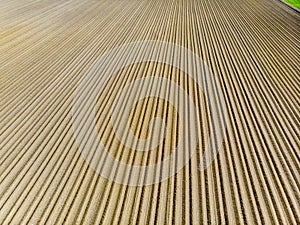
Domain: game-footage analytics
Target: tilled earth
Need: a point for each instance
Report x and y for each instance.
(252, 49)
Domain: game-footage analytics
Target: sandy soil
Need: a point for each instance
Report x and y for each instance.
(252, 48)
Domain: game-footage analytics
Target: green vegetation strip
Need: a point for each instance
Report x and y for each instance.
(295, 3)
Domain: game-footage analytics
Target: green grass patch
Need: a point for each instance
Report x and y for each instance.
(295, 3)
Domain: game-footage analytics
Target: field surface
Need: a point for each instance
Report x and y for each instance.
(179, 66)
